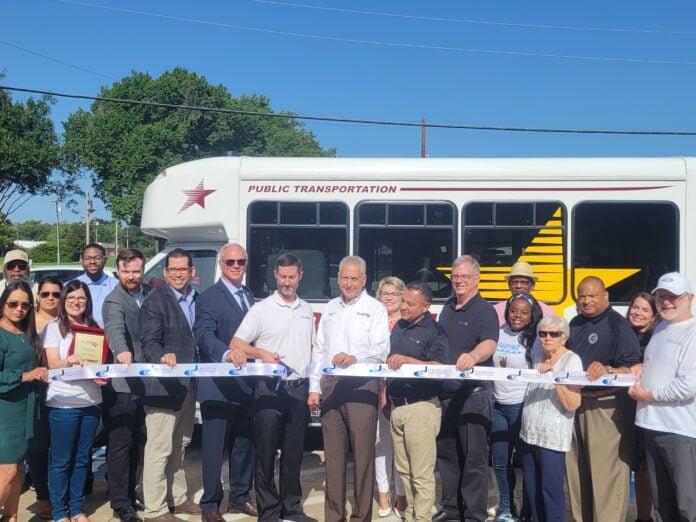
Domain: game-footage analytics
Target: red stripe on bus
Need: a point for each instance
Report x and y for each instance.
(532, 189)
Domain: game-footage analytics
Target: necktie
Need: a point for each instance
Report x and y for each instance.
(242, 301)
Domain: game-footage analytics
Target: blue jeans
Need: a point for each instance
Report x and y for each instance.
(72, 435)
(505, 435)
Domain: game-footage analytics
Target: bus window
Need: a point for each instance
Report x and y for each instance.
(205, 262)
(408, 240)
(629, 245)
(316, 232)
(498, 234)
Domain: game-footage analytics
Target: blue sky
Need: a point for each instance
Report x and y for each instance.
(332, 71)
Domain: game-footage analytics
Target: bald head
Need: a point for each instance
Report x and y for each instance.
(593, 298)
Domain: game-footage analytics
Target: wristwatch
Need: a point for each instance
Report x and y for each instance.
(609, 370)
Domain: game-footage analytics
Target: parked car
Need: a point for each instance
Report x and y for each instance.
(63, 272)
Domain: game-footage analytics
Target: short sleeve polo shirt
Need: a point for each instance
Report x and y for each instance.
(426, 341)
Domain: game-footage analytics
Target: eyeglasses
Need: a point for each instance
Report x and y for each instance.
(179, 271)
(12, 265)
(390, 294)
(89, 259)
(73, 299)
(229, 263)
(543, 334)
(463, 277)
(14, 304)
(46, 295)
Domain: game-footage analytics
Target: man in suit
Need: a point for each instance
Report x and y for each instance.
(124, 417)
(226, 403)
(166, 336)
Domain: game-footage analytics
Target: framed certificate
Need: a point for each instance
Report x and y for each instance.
(90, 344)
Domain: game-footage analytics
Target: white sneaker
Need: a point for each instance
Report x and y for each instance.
(384, 512)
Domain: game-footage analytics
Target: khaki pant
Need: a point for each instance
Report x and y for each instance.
(168, 434)
(414, 429)
(598, 465)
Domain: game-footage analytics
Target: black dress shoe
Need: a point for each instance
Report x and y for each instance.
(441, 516)
(127, 514)
(213, 516)
(138, 504)
(248, 508)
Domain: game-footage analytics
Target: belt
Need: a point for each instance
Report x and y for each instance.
(597, 394)
(403, 401)
(463, 393)
(295, 383)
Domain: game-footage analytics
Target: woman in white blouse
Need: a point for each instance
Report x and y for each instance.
(547, 423)
(74, 408)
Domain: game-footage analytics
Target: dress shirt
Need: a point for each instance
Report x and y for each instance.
(187, 303)
(238, 295)
(358, 328)
(98, 290)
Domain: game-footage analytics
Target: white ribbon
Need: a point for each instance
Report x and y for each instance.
(407, 371)
(477, 373)
(110, 371)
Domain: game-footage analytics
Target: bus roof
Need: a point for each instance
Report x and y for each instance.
(199, 201)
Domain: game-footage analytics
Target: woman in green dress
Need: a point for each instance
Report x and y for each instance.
(20, 372)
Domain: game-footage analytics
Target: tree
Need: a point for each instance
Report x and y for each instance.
(29, 152)
(125, 146)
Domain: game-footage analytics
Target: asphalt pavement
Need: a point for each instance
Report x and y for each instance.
(97, 505)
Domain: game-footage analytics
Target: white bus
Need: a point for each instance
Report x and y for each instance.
(626, 220)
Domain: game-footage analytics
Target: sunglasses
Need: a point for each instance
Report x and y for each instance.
(229, 263)
(544, 333)
(45, 295)
(22, 265)
(14, 304)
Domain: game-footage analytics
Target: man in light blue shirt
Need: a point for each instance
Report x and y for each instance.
(100, 284)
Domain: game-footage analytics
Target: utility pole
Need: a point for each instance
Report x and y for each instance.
(116, 236)
(423, 128)
(57, 201)
(90, 211)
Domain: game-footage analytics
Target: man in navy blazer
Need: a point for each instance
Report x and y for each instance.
(166, 337)
(226, 403)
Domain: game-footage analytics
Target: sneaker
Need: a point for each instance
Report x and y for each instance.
(505, 517)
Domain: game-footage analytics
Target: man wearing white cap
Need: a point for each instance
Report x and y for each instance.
(666, 395)
(15, 267)
(520, 280)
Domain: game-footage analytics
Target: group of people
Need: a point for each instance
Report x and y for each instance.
(586, 439)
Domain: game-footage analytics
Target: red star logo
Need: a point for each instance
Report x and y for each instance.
(196, 196)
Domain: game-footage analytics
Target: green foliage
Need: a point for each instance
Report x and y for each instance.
(29, 152)
(126, 146)
(35, 230)
(7, 235)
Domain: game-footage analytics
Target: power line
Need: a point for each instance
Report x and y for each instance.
(381, 42)
(349, 120)
(472, 21)
(46, 57)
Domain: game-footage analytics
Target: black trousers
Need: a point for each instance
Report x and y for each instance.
(231, 424)
(462, 454)
(280, 422)
(124, 420)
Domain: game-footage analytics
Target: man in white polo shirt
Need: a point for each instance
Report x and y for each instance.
(281, 327)
(666, 395)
